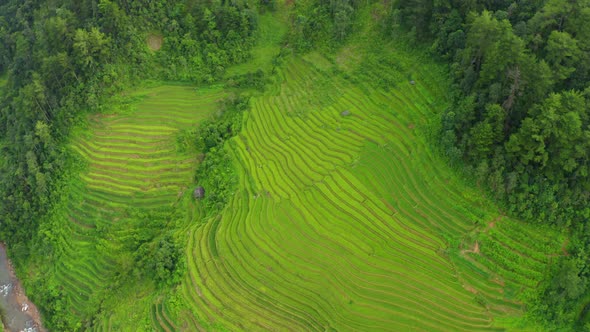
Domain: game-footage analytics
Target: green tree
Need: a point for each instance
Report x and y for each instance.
(554, 137)
(487, 134)
(560, 297)
(562, 54)
(90, 47)
(416, 15)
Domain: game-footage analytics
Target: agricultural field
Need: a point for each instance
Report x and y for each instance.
(344, 218)
(137, 168)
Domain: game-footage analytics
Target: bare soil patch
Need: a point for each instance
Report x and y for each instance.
(155, 42)
(474, 249)
(470, 289)
(497, 280)
(492, 223)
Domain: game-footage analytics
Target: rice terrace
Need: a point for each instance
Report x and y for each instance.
(295, 187)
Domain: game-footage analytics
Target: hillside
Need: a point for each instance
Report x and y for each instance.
(330, 202)
(349, 222)
(342, 221)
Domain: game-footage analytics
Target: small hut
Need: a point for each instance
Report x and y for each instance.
(199, 192)
(345, 113)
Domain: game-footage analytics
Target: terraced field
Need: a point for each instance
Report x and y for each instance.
(343, 220)
(350, 223)
(134, 162)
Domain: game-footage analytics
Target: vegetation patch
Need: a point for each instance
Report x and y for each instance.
(216, 174)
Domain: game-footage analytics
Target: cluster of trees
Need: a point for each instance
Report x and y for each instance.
(216, 172)
(156, 254)
(63, 58)
(252, 80)
(202, 39)
(520, 120)
(320, 23)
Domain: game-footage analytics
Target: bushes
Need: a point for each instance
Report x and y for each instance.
(214, 132)
(155, 253)
(2, 318)
(255, 80)
(54, 302)
(160, 259)
(321, 23)
(216, 173)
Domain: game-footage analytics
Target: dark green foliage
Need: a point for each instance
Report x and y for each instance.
(155, 252)
(568, 285)
(564, 298)
(268, 4)
(201, 41)
(255, 80)
(321, 23)
(417, 13)
(214, 132)
(160, 259)
(555, 137)
(54, 304)
(216, 173)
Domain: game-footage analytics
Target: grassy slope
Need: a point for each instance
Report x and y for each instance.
(346, 223)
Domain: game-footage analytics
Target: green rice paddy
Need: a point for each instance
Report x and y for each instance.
(350, 223)
(340, 222)
(134, 163)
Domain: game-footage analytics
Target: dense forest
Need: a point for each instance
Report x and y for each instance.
(519, 124)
